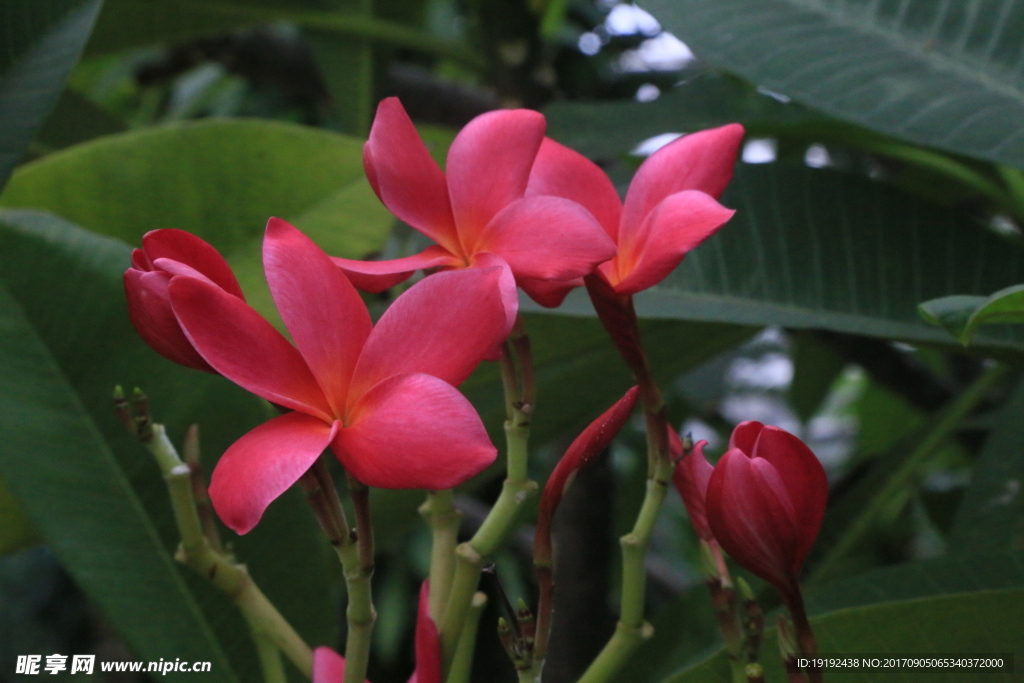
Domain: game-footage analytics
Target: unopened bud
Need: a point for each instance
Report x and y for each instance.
(754, 673)
(143, 419)
(745, 590)
(123, 411)
(527, 623)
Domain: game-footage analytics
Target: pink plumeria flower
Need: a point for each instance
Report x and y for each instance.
(670, 208)
(167, 254)
(691, 477)
(381, 397)
(329, 666)
(477, 210)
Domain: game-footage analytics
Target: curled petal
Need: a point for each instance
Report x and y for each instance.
(744, 436)
(752, 519)
(804, 480)
(428, 642)
(186, 248)
(691, 478)
(700, 161)
(563, 172)
(324, 313)
(244, 347)
(547, 238)
(549, 293)
(489, 166)
(509, 294)
(443, 326)
(405, 177)
(675, 227)
(261, 466)
(377, 276)
(414, 431)
(149, 307)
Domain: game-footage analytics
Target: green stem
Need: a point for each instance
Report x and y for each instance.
(442, 517)
(471, 555)
(265, 622)
(947, 421)
(357, 561)
(270, 659)
(462, 662)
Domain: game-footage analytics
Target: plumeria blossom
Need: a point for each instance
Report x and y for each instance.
(381, 397)
(167, 254)
(691, 476)
(765, 502)
(477, 210)
(670, 208)
(329, 666)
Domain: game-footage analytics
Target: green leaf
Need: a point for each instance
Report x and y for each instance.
(991, 516)
(74, 119)
(820, 249)
(940, 625)
(220, 179)
(40, 45)
(939, 74)
(57, 461)
(815, 369)
(962, 315)
(17, 531)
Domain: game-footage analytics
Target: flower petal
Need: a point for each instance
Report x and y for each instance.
(323, 311)
(744, 436)
(804, 479)
(549, 293)
(244, 347)
(184, 247)
(328, 666)
(405, 177)
(675, 227)
(428, 642)
(261, 466)
(489, 166)
(443, 326)
(509, 293)
(377, 276)
(563, 172)
(699, 161)
(149, 308)
(691, 478)
(547, 238)
(751, 519)
(414, 431)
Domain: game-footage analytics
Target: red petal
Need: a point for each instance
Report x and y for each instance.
(405, 177)
(691, 479)
(443, 326)
(700, 161)
(744, 436)
(244, 347)
(328, 666)
(549, 293)
(324, 313)
(804, 479)
(261, 466)
(509, 294)
(186, 248)
(675, 227)
(752, 519)
(377, 276)
(563, 172)
(414, 432)
(547, 238)
(428, 642)
(489, 166)
(149, 308)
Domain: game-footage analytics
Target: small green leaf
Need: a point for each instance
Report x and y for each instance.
(952, 313)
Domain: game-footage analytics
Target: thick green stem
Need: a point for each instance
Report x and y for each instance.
(270, 659)
(265, 622)
(357, 561)
(442, 517)
(946, 422)
(462, 662)
(471, 555)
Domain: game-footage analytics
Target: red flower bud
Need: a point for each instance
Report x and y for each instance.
(166, 255)
(691, 479)
(765, 502)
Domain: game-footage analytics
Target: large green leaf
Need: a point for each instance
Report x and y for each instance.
(820, 249)
(943, 74)
(40, 44)
(991, 516)
(93, 492)
(221, 180)
(940, 626)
